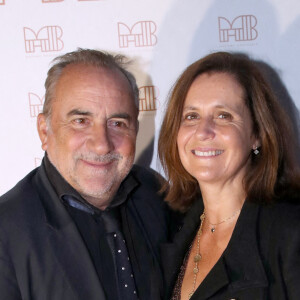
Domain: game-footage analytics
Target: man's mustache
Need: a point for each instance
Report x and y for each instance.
(106, 158)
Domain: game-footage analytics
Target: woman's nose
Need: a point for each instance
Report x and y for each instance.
(205, 129)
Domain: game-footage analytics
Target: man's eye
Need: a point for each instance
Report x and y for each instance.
(80, 121)
(117, 123)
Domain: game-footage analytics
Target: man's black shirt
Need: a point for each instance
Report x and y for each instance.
(90, 224)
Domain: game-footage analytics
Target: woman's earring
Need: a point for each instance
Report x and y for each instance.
(255, 150)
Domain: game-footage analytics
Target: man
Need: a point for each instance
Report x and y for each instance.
(85, 224)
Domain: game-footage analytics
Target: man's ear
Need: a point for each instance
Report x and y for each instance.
(43, 129)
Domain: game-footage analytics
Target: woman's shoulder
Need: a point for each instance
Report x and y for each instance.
(283, 214)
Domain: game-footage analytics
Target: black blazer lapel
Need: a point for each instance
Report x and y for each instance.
(240, 266)
(242, 256)
(172, 254)
(214, 281)
(68, 246)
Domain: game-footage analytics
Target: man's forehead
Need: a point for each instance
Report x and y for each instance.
(93, 86)
(115, 103)
(84, 73)
(92, 89)
(99, 98)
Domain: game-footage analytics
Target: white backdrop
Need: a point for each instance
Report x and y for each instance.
(161, 36)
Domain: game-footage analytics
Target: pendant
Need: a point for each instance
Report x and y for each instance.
(195, 270)
(197, 257)
(213, 230)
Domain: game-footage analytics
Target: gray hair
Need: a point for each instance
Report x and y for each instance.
(89, 57)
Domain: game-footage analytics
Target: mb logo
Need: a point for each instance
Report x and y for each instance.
(241, 29)
(47, 39)
(141, 34)
(148, 101)
(51, 1)
(35, 104)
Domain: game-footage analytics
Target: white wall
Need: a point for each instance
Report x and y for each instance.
(162, 36)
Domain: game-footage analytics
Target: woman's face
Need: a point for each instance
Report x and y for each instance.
(215, 138)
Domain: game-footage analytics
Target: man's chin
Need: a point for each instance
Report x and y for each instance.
(98, 198)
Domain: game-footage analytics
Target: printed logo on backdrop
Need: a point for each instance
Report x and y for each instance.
(35, 104)
(46, 39)
(51, 1)
(141, 34)
(37, 162)
(54, 1)
(148, 98)
(240, 29)
(2, 2)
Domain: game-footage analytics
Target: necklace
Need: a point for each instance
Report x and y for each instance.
(213, 225)
(198, 256)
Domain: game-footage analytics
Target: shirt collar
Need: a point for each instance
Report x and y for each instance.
(65, 190)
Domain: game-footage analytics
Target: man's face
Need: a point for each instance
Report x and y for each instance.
(91, 135)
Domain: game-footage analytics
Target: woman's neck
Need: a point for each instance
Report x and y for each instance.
(222, 202)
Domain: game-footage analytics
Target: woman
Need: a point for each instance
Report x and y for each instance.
(234, 173)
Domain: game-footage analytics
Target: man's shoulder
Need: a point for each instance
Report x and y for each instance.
(24, 185)
(147, 177)
(148, 191)
(147, 202)
(16, 199)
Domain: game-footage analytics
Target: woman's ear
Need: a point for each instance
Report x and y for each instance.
(255, 146)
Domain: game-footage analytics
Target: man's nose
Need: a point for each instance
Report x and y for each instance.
(100, 140)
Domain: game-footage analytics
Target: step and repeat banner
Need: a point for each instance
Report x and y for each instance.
(161, 37)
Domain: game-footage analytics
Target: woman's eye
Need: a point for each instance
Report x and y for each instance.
(224, 116)
(190, 116)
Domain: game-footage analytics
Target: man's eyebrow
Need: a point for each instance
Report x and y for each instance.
(78, 112)
(121, 116)
(75, 112)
